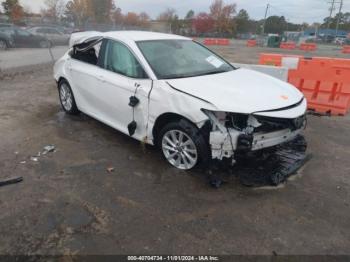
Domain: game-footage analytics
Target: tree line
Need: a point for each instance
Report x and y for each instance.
(222, 19)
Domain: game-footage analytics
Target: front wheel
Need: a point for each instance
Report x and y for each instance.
(183, 146)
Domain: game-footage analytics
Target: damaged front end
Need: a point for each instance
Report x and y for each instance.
(265, 150)
(233, 133)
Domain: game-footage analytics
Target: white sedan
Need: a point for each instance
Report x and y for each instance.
(170, 91)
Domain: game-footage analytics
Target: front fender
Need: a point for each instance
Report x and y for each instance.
(165, 99)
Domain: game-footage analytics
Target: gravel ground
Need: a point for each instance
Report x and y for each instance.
(69, 204)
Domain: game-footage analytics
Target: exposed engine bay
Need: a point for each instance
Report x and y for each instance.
(236, 133)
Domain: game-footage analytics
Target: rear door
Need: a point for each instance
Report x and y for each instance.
(83, 71)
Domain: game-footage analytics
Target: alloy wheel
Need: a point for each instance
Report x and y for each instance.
(66, 97)
(179, 149)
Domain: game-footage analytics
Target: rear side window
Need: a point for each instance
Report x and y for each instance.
(87, 52)
(118, 58)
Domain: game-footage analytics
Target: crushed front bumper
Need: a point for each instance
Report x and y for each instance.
(261, 141)
(264, 167)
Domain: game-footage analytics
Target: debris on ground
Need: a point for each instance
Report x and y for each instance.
(11, 181)
(49, 149)
(110, 169)
(269, 167)
(34, 159)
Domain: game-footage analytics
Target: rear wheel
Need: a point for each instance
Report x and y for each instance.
(183, 146)
(67, 98)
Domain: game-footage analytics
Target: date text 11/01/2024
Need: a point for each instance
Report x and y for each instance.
(173, 258)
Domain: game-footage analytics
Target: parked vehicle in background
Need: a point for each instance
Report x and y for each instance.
(172, 92)
(23, 38)
(68, 30)
(340, 40)
(55, 36)
(327, 39)
(6, 25)
(6, 41)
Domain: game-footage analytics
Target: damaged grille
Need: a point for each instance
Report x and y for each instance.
(270, 124)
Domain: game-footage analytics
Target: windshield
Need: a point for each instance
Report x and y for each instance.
(171, 59)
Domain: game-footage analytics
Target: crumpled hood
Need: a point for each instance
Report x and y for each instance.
(240, 91)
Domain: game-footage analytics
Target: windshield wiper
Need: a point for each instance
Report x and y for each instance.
(212, 72)
(201, 74)
(175, 76)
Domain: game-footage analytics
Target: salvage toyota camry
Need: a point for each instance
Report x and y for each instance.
(170, 91)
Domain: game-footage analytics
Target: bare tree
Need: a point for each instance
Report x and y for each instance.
(167, 15)
(118, 16)
(144, 18)
(223, 16)
(79, 11)
(54, 9)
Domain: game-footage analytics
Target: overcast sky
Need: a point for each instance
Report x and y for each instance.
(294, 10)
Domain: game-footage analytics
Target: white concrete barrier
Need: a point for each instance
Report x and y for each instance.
(280, 73)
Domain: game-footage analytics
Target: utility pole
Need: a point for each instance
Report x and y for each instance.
(267, 9)
(330, 14)
(338, 20)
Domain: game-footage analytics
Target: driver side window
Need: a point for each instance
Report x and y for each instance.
(119, 59)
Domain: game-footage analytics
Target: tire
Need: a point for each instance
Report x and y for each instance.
(67, 99)
(183, 146)
(3, 45)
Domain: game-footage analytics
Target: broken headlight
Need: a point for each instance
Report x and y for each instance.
(253, 123)
(228, 120)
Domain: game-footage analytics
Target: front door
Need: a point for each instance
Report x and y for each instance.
(121, 76)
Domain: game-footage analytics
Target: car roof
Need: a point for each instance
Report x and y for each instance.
(141, 35)
(128, 37)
